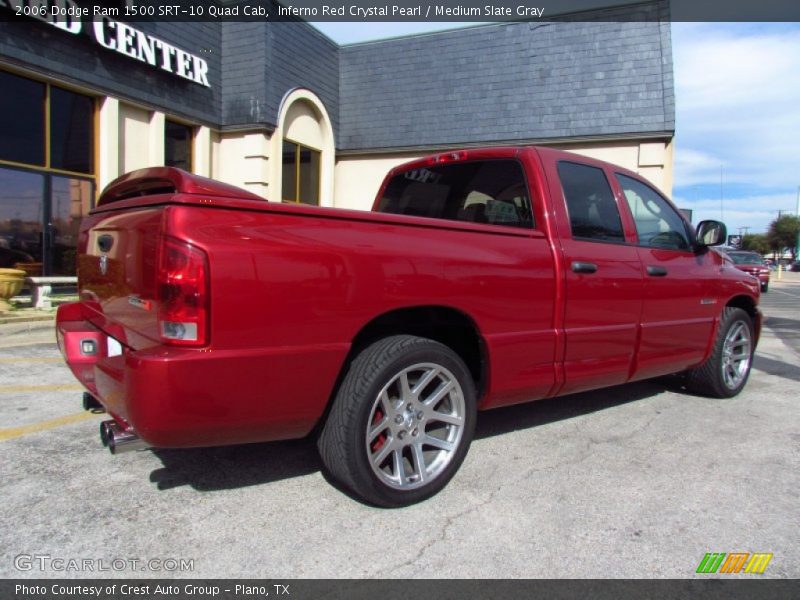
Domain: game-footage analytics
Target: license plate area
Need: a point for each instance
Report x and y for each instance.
(114, 347)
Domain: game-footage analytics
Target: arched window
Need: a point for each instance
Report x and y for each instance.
(306, 150)
(301, 173)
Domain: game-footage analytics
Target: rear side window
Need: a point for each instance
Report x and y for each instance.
(593, 212)
(490, 191)
(658, 225)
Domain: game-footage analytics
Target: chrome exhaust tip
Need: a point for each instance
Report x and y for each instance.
(105, 433)
(119, 440)
(90, 403)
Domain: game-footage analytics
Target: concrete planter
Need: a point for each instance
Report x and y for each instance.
(11, 281)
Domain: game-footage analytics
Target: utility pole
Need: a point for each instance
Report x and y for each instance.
(797, 241)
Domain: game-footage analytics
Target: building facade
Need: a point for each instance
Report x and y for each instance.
(281, 110)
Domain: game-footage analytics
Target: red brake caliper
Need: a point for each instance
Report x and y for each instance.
(379, 441)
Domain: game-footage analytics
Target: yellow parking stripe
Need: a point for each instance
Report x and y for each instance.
(31, 360)
(15, 432)
(22, 389)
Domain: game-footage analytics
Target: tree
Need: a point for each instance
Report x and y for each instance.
(756, 242)
(783, 233)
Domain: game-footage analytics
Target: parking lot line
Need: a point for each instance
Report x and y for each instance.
(17, 389)
(16, 344)
(32, 359)
(15, 432)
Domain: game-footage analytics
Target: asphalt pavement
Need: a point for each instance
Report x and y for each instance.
(634, 481)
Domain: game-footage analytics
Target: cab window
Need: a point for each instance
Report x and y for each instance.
(658, 225)
(593, 212)
(489, 191)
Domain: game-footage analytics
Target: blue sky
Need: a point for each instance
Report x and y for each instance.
(737, 88)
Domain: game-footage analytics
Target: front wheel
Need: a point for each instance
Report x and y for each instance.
(401, 423)
(726, 371)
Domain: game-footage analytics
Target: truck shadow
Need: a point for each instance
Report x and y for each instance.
(776, 367)
(231, 467)
(787, 330)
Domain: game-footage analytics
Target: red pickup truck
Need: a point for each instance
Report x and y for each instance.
(481, 278)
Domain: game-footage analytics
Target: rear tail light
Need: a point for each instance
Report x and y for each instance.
(182, 294)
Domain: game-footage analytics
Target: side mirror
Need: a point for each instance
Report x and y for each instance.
(710, 233)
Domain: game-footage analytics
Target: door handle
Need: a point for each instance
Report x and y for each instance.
(656, 271)
(584, 267)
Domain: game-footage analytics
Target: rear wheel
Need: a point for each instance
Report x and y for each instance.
(726, 371)
(765, 287)
(402, 421)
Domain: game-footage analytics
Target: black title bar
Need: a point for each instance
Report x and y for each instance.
(348, 589)
(401, 10)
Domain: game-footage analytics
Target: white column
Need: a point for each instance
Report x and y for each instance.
(155, 140)
(108, 144)
(201, 152)
(256, 163)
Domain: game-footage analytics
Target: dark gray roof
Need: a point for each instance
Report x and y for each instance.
(516, 82)
(509, 82)
(261, 64)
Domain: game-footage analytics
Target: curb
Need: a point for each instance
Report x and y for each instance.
(12, 320)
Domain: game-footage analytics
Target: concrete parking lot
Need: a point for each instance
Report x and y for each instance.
(633, 481)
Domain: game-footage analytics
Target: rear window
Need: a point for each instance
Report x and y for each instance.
(492, 192)
(746, 258)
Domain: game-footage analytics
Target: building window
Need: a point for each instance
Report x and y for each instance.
(40, 215)
(45, 126)
(71, 131)
(301, 173)
(178, 145)
(21, 124)
(46, 167)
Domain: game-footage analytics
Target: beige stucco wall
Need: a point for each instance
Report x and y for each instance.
(131, 137)
(650, 159)
(358, 177)
(253, 159)
(242, 159)
(134, 138)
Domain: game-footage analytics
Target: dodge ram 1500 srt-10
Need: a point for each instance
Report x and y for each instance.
(481, 278)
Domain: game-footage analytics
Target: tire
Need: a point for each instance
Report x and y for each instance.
(401, 422)
(726, 371)
(764, 288)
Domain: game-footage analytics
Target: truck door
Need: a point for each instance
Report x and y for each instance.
(679, 310)
(602, 276)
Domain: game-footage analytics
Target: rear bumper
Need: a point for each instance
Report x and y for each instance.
(175, 397)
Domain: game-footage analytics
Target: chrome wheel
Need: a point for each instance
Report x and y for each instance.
(415, 426)
(737, 350)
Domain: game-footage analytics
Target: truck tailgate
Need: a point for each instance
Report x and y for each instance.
(117, 273)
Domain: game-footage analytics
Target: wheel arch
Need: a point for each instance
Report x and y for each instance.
(748, 305)
(444, 324)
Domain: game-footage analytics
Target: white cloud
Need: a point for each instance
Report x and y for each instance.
(737, 91)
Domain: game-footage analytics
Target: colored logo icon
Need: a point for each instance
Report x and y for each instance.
(734, 562)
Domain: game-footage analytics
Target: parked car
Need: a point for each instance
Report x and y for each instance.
(482, 278)
(753, 263)
(795, 266)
